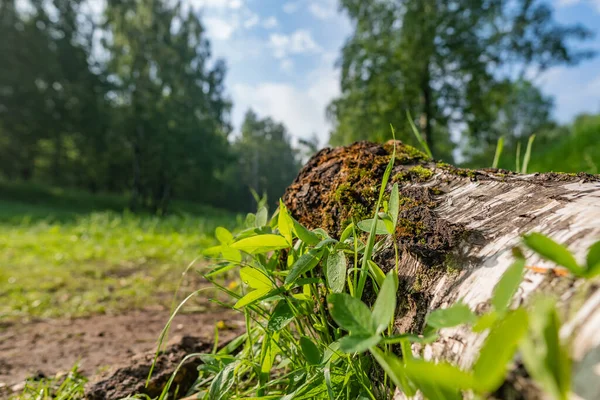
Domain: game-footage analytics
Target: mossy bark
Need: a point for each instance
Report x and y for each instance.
(456, 230)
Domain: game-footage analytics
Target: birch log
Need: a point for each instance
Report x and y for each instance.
(456, 232)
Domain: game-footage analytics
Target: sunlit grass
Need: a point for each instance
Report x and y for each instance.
(56, 262)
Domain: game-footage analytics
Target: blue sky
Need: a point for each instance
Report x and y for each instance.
(281, 56)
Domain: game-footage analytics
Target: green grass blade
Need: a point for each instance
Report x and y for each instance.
(371, 240)
(527, 154)
(418, 135)
(499, 148)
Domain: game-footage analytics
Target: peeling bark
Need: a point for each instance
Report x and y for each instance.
(459, 229)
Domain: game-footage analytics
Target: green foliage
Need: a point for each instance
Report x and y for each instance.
(141, 112)
(544, 356)
(458, 314)
(72, 255)
(506, 288)
(68, 387)
(292, 350)
(438, 59)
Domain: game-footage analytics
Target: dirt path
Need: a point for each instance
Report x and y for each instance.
(97, 342)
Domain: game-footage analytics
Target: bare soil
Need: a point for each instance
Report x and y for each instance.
(97, 343)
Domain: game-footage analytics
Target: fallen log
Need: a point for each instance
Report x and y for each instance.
(456, 232)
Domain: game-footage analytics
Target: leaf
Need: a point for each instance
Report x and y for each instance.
(593, 256)
(285, 222)
(336, 271)
(251, 297)
(305, 263)
(261, 243)
(250, 221)
(485, 321)
(222, 382)
(310, 351)
(550, 250)
(367, 224)
(499, 349)
(458, 314)
(351, 314)
(358, 343)
(385, 304)
(394, 368)
(593, 260)
(254, 278)
(377, 272)
(282, 315)
(223, 235)
(269, 351)
(231, 254)
(261, 217)
(545, 358)
(439, 380)
(308, 237)
(347, 232)
(394, 207)
(508, 285)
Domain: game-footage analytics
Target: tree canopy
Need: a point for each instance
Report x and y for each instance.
(451, 64)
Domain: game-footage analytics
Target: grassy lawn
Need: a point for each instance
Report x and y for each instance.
(65, 253)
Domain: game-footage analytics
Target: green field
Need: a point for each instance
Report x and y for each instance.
(68, 253)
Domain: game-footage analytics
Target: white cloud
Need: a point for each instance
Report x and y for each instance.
(291, 7)
(323, 9)
(270, 23)
(287, 65)
(219, 28)
(251, 20)
(300, 108)
(299, 42)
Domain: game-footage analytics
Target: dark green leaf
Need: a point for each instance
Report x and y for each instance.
(458, 314)
(508, 285)
(499, 349)
(385, 304)
(310, 350)
(351, 314)
(305, 263)
(358, 343)
(305, 235)
(550, 250)
(336, 271)
(282, 315)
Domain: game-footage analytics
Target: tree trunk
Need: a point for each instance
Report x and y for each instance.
(456, 231)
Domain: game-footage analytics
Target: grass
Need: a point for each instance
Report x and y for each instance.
(68, 253)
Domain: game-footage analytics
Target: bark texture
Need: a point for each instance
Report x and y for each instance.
(456, 231)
